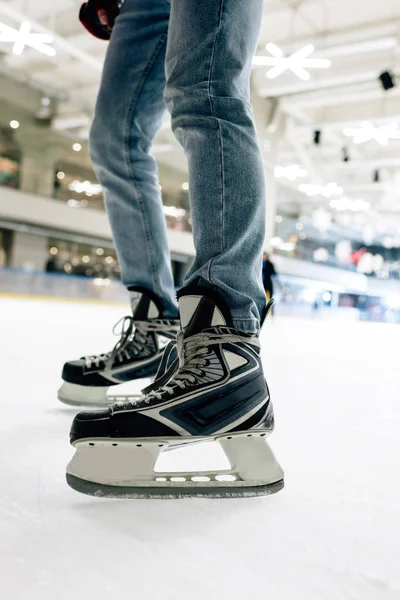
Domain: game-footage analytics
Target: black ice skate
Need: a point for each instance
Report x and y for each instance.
(136, 355)
(217, 393)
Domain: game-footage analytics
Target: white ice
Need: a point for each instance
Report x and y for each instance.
(333, 533)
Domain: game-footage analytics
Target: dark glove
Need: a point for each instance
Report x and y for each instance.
(89, 17)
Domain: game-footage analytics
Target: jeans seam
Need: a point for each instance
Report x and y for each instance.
(130, 167)
(219, 136)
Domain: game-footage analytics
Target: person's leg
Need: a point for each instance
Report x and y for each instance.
(209, 54)
(217, 389)
(129, 112)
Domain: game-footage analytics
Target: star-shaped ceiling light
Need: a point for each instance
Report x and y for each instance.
(367, 131)
(329, 190)
(22, 38)
(291, 172)
(298, 62)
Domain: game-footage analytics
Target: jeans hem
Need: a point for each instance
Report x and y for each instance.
(246, 325)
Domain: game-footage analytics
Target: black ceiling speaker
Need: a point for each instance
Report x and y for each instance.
(387, 80)
(317, 137)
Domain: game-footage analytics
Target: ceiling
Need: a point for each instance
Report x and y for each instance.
(361, 39)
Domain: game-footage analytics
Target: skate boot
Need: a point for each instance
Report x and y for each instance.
(217, 393)
(137, 354)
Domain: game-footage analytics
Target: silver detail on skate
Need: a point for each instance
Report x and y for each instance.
(131, 463)
(188, 306)
(134, 298)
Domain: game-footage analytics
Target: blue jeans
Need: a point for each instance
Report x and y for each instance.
(194, 56)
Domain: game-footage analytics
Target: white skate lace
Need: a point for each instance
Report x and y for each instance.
(193, 353)
(133, 336)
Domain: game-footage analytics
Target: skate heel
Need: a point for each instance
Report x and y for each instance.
(252, 460)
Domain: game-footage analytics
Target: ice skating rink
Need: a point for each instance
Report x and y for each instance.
(332, 534)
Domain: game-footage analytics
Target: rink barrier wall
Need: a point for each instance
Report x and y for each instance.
(57, 286)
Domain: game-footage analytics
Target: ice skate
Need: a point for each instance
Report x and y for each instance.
(218, 393)
(137, 355)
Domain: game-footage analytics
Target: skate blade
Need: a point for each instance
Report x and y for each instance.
(170, 493)
(73, 394)
(107, 467)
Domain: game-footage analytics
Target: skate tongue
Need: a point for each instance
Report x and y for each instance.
(144, 304)
(201, 308)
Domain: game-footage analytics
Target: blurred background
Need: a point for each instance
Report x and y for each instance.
(328, 121)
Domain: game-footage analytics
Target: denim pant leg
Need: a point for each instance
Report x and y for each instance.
(210, 48)
(129, 112)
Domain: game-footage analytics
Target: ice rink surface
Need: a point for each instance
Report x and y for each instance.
(332, 533)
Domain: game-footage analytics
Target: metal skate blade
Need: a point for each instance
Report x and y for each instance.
(169, 493)
(73, 394)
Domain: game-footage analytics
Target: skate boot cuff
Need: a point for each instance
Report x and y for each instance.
(142, 300)
(201, 308)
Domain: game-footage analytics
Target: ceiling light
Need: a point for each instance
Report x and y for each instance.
(343, 250)
(100, 251)
(331, 189)
(53, 250)
(393, 301)
(298, 62)
(321, 255)
(85, 187)
(185, 186)
(77, 147)
(299, 226)
(60, 175)
(74, 203)
(14, 124)
(279, 244)
(291, 172)
(326, 296)
(348, 204)
(321, 220)
(309, 295)
(387, 242)
(109, 260)
(278, 219)
(174, 211)
(85, 259)
(23, 37)
(367, 131)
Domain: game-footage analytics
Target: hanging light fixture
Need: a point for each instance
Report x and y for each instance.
(311, 189)
(291, 172)
(367, 132)
(298, 62)
(23, 37)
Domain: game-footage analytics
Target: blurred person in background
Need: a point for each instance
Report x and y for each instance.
(51, 264)
(196, 59)
(268, 272)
